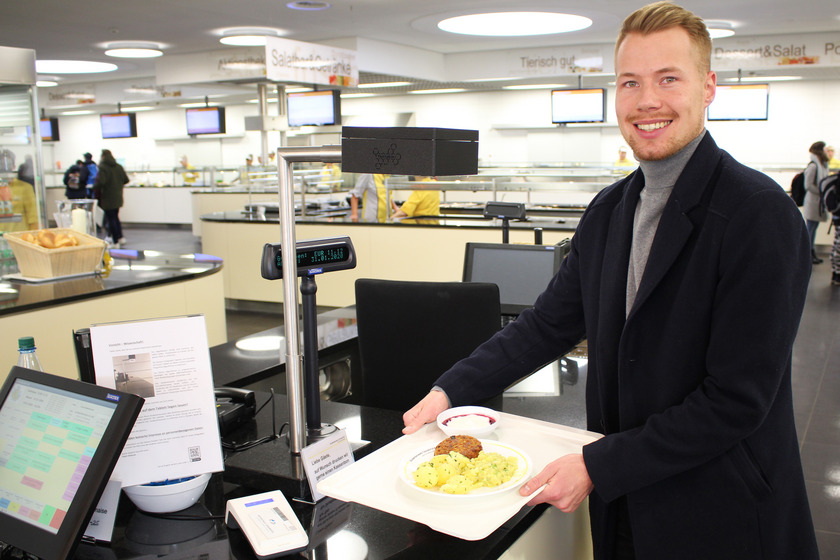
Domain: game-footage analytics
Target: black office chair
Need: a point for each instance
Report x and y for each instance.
(411, 332)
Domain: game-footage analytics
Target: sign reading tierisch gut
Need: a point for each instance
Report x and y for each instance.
(295, 61)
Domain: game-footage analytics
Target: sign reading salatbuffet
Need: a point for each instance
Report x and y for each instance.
(295, 61)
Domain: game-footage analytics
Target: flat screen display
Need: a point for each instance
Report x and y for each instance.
(578, 105)
(49, 129)
(206, 120)
(59, 441)
(522, 272)
(118, 125)
(740, 102)
(314, 108)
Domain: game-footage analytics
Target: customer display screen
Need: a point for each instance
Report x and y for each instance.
(59, 441)
(47, 439)
(314, 256)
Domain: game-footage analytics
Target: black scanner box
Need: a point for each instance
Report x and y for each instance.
(409, 151)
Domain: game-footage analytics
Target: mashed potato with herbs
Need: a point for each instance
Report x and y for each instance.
(455, 474)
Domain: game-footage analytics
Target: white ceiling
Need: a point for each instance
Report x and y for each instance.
(79, 29)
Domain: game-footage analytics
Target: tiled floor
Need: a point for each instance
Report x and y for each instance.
(816, 377)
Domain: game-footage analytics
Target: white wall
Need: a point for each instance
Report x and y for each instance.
(800, 113)
(161, 141)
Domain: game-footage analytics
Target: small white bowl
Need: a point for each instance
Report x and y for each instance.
(476, 421)
(166, 498)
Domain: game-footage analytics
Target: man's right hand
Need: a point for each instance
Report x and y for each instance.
(425, 411)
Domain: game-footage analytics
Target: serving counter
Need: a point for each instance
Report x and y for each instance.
(392, 251)
(337, 530)
(139, 286)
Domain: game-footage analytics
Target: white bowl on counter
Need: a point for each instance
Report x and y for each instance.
(476, 421)
(166, 498)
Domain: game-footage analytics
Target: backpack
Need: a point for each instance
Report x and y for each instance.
(92, 169)
(797, 188)
(73, 180)
(829, 195)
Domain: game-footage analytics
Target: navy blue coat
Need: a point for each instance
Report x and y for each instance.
(693, 388)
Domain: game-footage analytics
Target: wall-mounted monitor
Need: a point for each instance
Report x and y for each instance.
(205, 120)
(118, 125)
(314, 108)
(578, 105)
(740, 102)
(49, 129)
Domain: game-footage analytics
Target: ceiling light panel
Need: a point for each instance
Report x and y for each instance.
(514, 24)
(73, 67)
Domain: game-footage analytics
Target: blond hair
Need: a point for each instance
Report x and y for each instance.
(660, 16)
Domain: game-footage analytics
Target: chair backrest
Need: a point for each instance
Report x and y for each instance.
(412, 332)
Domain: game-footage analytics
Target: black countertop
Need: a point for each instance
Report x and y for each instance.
(346, 531)
(459, 220)
(130, 270)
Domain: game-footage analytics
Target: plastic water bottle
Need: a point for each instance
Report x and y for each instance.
(28, 358)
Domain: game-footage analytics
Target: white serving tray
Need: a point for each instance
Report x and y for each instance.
(374, 480)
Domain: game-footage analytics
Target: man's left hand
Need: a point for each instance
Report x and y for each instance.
(567, 484)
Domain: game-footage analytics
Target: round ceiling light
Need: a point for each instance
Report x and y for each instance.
(514, 24)
(248, 36)
(73, 67)
(124, 49)
(719, 29)
(308, 5)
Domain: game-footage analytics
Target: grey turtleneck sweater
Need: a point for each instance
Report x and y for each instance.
(660, 178)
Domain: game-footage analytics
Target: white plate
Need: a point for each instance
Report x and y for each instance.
(425, 453)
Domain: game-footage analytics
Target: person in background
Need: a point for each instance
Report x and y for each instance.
(189, 176)
(110, 180)
(833, 162)
(23, 202)
(329, 177)
(88, 176)
(834, 258)
(420, 203)
(688, 279)
(812, 208)
(74, 186)
(624, 162)
(370, 190)
(26, 171)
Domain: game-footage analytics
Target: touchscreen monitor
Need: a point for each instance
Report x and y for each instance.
(522, 272)
(59, 441)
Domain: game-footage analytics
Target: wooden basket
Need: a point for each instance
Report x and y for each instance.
(35, 261)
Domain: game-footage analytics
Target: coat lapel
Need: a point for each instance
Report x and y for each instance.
(675, 227)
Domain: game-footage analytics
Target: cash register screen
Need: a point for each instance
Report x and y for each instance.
(522, 272)
(59, 442)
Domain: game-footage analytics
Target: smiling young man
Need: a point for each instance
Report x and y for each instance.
(688, 279)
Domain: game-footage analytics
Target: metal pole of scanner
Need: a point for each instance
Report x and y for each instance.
(388, 150)
(286, 156)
